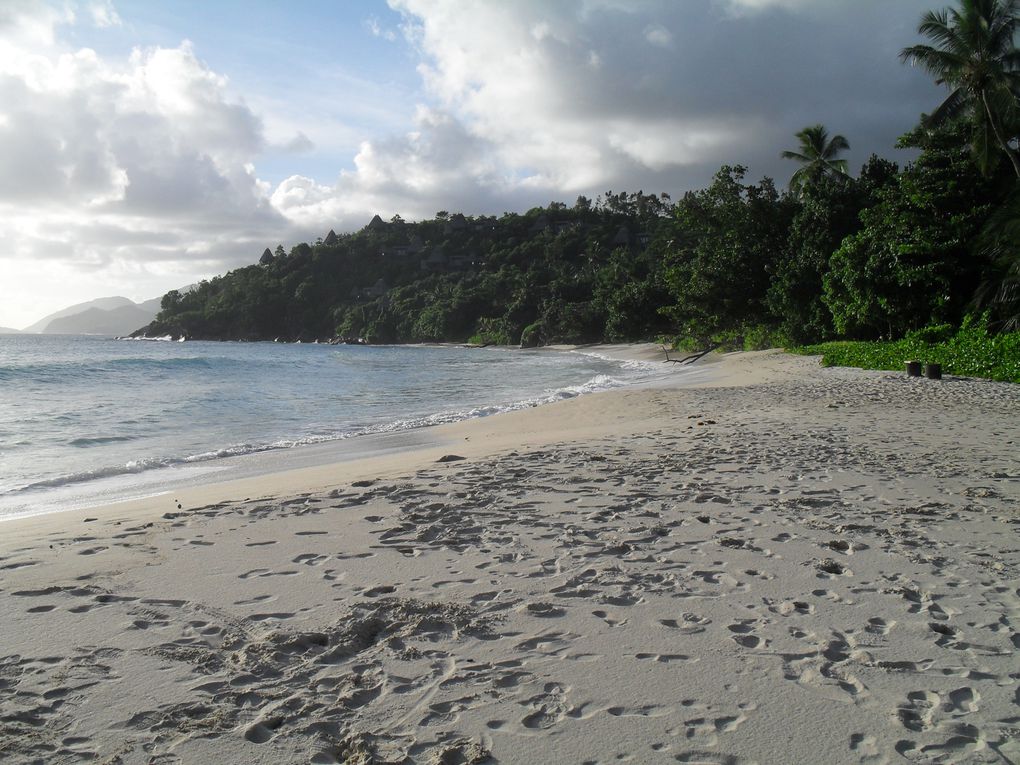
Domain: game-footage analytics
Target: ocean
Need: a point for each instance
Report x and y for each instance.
(90, 420)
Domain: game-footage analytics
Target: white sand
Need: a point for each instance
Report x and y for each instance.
(787, 564)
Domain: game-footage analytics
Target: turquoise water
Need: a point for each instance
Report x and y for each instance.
(78, 412)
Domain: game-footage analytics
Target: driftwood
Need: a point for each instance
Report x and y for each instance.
(692, 358)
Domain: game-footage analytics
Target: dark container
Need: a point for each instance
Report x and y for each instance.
(933, 371)
(913, 369)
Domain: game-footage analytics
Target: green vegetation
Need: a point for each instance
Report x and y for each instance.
(975, 54)
(874, 257)
(818, 154)
(970, 351)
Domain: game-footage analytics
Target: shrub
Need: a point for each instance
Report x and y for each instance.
(531, 337)
(969, 351)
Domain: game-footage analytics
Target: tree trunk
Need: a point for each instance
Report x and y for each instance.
(999, 136)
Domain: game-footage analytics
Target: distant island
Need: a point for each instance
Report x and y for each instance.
(103, 316)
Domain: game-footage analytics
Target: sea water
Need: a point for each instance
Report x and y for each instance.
(94, 419)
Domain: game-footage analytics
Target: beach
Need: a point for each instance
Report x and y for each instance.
(773, 562)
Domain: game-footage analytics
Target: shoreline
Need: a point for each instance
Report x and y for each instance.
(273, 473)
(776, 561)
(116, 485)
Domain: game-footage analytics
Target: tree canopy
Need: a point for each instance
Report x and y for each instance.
(819, 157)
(974, 54)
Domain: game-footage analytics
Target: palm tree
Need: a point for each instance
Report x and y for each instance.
(818, 155)
(999, 242)
(975, 55)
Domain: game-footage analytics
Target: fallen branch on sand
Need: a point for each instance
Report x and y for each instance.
(692, 358)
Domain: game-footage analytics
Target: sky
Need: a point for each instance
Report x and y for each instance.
(145, 146)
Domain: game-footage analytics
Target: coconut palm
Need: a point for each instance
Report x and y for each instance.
(818, 156)
(999, 242)
(975, 55)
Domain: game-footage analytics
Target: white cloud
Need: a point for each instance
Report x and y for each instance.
(143, 167)
(534, 100)
(376, 28)
(437, 164)
(657, 34)
(139, 167)
(298, 144)
(104, 14)
(740, 7)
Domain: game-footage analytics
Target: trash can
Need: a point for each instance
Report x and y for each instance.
(933, 371)
(913, 369)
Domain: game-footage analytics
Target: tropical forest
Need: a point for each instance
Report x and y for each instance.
(867, 265)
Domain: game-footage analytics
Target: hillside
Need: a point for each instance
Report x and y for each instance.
(449, 278)
(103, 316)
(122, 320)
(873, 256)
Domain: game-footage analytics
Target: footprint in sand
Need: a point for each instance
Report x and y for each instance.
(743, 634)
(867, 749)
(687, 624)
(829, 568)
(604, 616)
(917, 714)
(962, 701)
(663, 658)
(651, 711)
(549, 707)
(310, 559)
(879, 626)
(544, 610)
(793, 608)
(263, 731)
(841, 546)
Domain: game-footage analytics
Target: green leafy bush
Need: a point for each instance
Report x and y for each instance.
(970, 351)
(531, 337)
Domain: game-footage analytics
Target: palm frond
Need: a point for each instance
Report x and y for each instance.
(983, 143)
(954, 105)
(840, 166)
(836, 145)
(973, 51)
(999, 243)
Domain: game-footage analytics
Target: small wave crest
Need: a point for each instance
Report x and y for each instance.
(628, 364)
(99, 441)
(597, 383)
(64, 372)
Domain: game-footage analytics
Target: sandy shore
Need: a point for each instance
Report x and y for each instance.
(776, 564)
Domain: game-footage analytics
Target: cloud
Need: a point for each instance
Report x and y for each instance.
(299, 144)
(534, 100)
(658, 35)
(104, 14)
(144, 167)
(376, 29)
(676, 90)
(747, 7)
(436, 163)
(141, 166)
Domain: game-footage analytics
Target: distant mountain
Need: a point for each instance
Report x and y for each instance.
(8, 331)
(95, 321)
(153, 305)
(103, 316)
